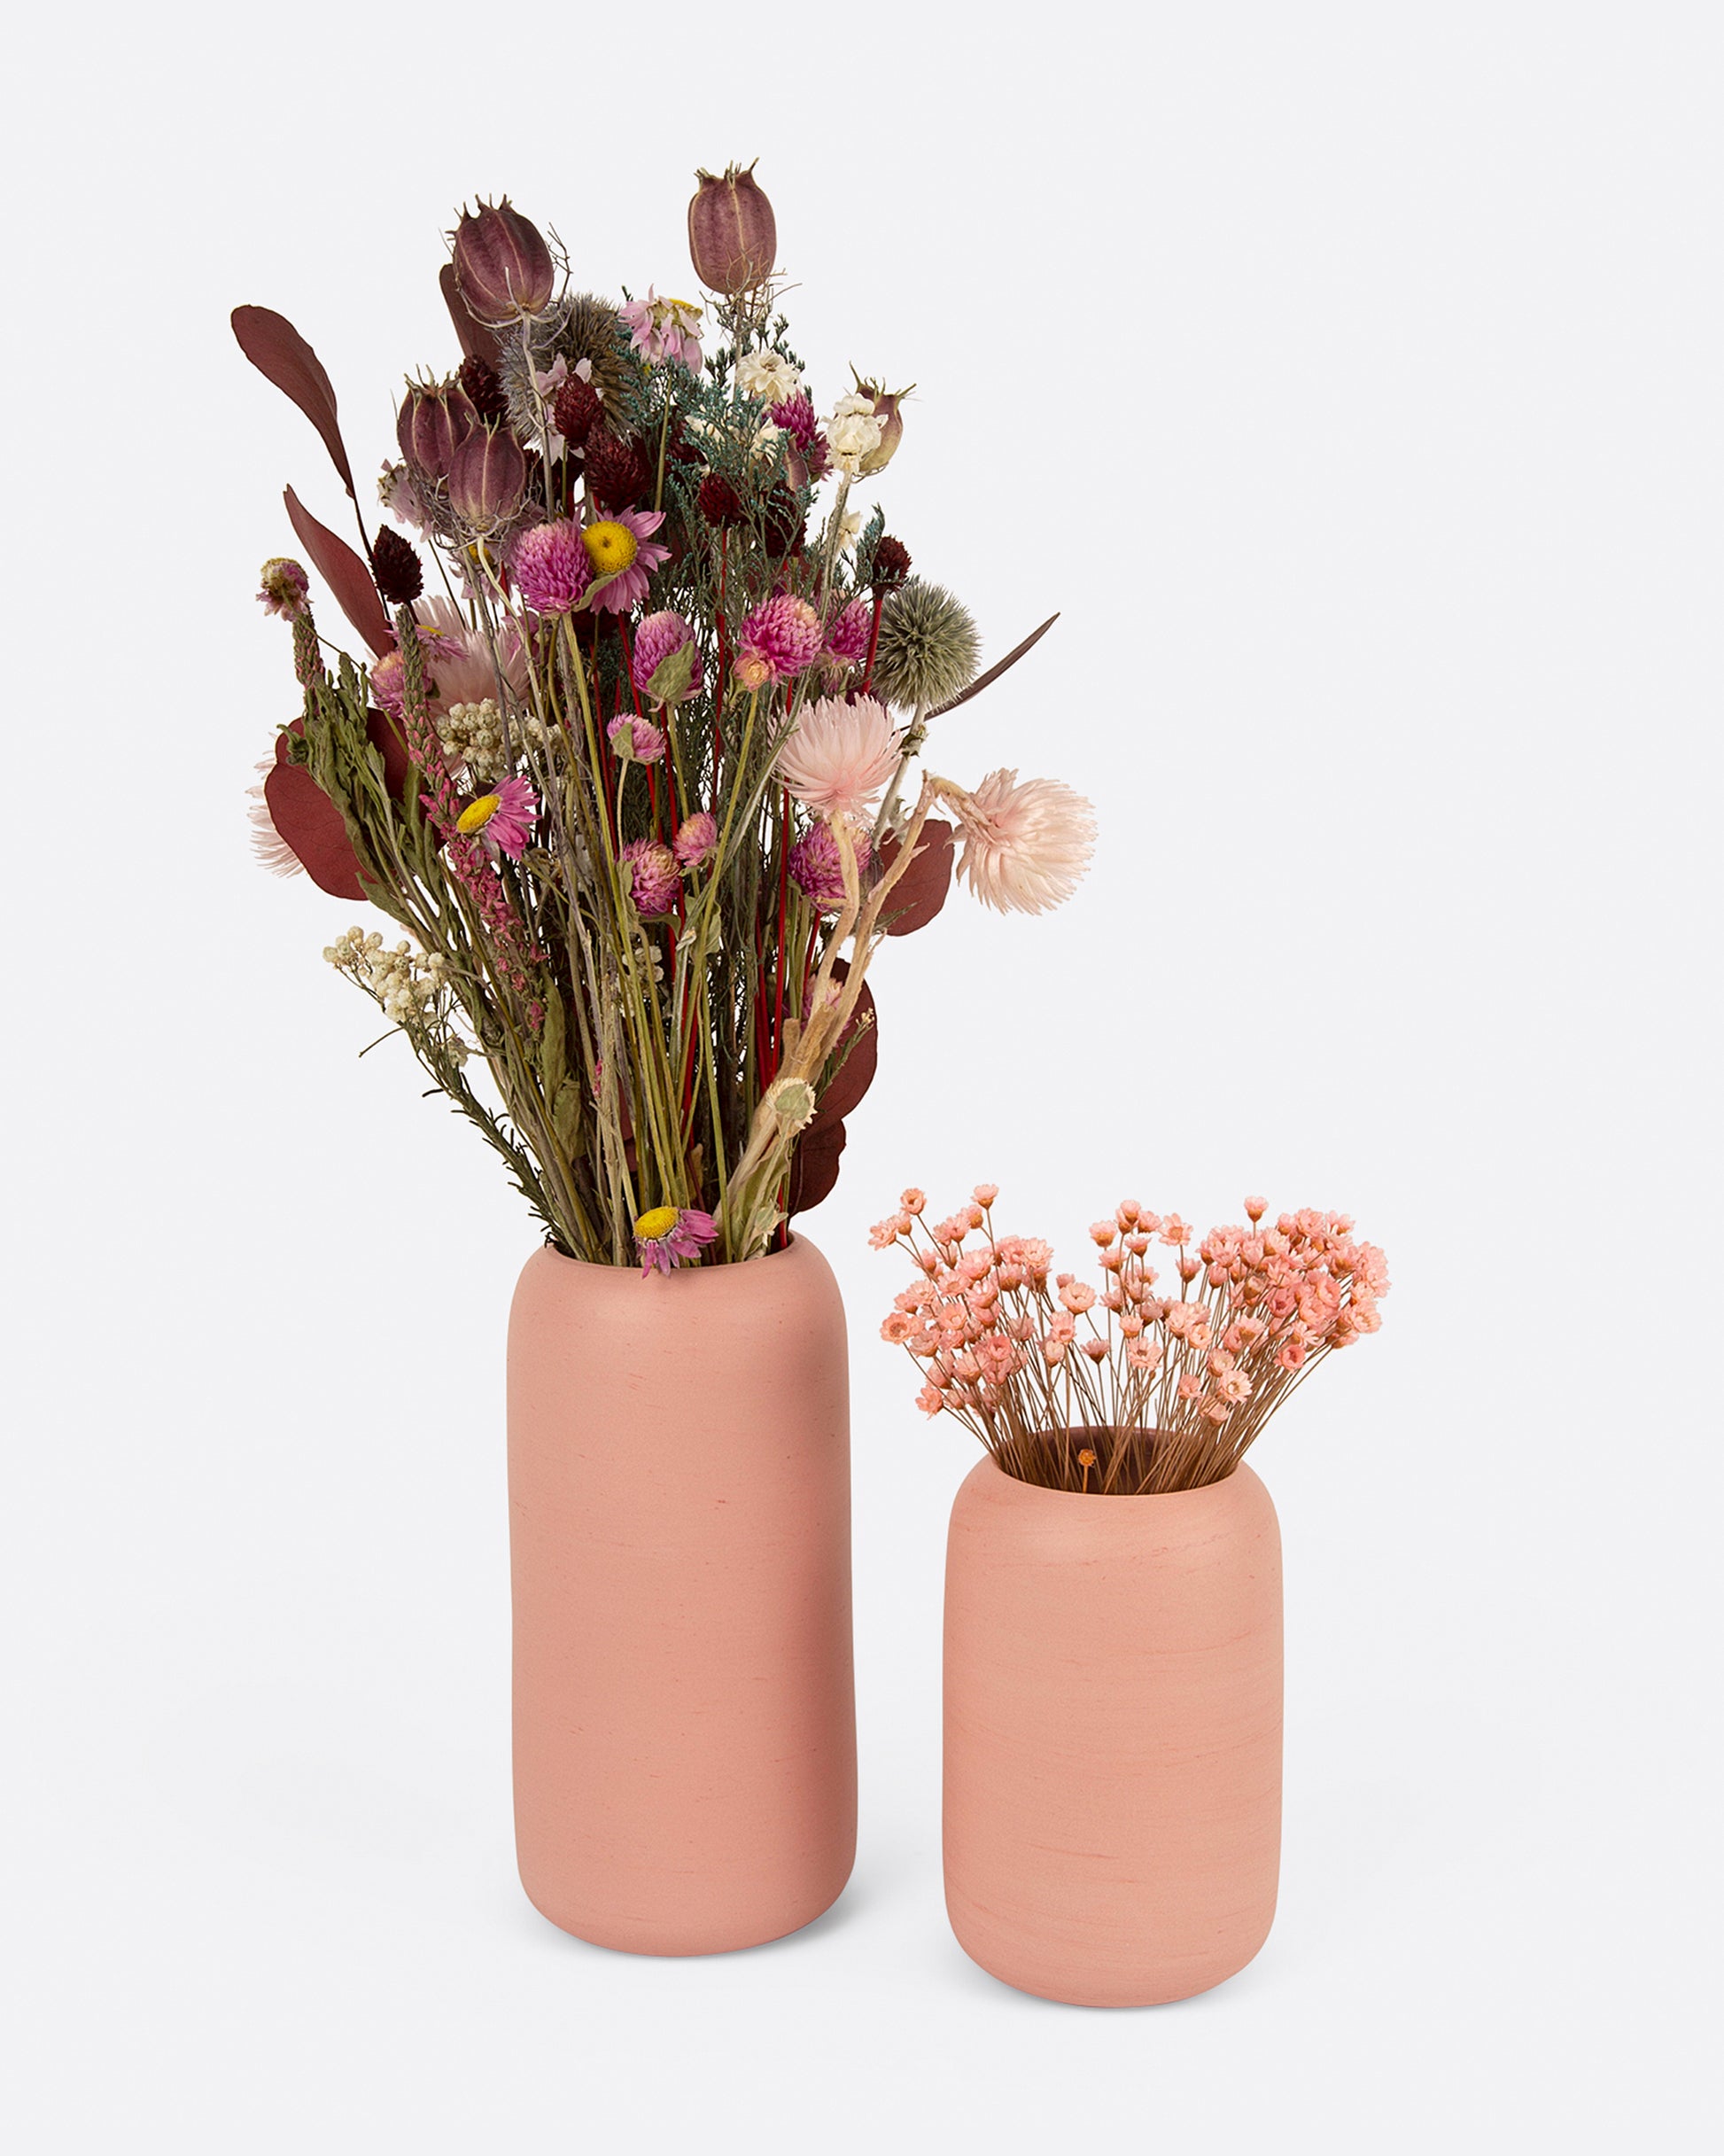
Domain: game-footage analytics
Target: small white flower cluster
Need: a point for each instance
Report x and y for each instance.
(472, 737)
(768, 376)
(853, 433)
(408, 986)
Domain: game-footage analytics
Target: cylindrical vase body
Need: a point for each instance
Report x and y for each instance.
(679, 1481)
(1113, 1735)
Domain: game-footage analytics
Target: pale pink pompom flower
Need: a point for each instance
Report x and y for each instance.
(637, 741)
(1026, 844)
(840, 756)
(779, 641)
(697, 838)
(655, 877)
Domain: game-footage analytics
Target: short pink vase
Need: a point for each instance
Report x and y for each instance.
(678, 1483)
(1113, 1735)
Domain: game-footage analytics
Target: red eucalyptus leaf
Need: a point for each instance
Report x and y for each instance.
(276, 349)
(814, 1165)
(921, 891)
(993, 674)
(310, 823)
(346, 576)
(860, 1044)
(477, 341)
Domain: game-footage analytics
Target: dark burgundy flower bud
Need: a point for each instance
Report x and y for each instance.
(502, 265)
(395, 569)
(575, 410)
(615, 470)
(487, 479)
(891, 564)
(718, 501)
(484, 386)
(733, 235)
(435, 417)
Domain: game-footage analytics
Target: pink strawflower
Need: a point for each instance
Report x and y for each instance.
(840, 756)
(779, 641)
(388, 676)
(463, 669)
(655, 878)
(816, 867)
(552, 567)
(698, 837)
(657, 637)
(620, 545)
(847, 639)
(984, 1195)
(1025, 846)
(285, 589)
(637, 741)
(664, 329)
(669, 1233)
(503, 820)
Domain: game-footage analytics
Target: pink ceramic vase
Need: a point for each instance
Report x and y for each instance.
(1113, 1735)
(679, 1481)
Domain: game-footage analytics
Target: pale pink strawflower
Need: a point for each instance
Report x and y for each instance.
(1026, 844)
(667, 1234)
(551, 566)
(914, 1201)
(637, 741)
(984, 1194)
(503, 820)
(659, 636)
(655, 877)
(778, 642)
(698, 837)
(463, 666)
(839, 756)
(816, 867)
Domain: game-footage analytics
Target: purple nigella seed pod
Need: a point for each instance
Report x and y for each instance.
(435, 417)
(733, 235)
(502, 264)
(486, 479)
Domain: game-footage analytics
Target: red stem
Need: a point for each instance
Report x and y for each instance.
(873, 644)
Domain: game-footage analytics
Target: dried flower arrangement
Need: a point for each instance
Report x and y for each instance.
(1125, 1391)
(638, 780)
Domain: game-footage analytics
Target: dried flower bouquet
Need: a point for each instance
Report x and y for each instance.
(1130, 1389)
(638, 770)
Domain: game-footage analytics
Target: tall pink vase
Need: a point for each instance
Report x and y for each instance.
(1113, 1735)
(679, 1481)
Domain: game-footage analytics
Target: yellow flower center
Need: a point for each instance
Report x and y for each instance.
(478, 813)
(610, 547)
(653, 1227)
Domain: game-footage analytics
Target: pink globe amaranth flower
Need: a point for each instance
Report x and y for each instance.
(839, 756)
(657, 639)
(847, 639)
(637, 741)
(1026, 845)
(286, 588)
(551, 567)
(816, 867)
(698, 837)
(668, 1233)
(779, 641)
(655, 876)
(628, 567)
(503, 820)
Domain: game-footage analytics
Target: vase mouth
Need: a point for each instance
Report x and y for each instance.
(1115, 1497)
(679, 1272)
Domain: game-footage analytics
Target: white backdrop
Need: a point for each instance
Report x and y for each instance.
(1348, 378)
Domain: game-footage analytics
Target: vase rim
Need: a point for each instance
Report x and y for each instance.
(680, 1272)
(1116, 1496)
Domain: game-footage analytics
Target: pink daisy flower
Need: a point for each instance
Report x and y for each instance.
(655, 877)
(698, 837)
(1025, 846)
(502, 822)
(817, 869)
(839, 756)
(669, 1233)
(664, 329)
(552, 567)
(621, 548)
(779, 641)
(657, 639)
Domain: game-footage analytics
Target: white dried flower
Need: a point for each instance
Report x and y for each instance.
(853, 433)
(768, 376)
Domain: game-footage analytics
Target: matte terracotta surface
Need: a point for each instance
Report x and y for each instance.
(1113, 1735)
(679, 1477)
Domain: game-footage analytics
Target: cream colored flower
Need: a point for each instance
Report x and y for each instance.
(768, 376)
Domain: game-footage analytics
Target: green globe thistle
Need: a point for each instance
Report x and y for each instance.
(928, 649)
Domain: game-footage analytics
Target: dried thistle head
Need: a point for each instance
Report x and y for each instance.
(578, 326)
(929, 649)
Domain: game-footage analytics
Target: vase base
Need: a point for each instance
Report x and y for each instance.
(686, 1936)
